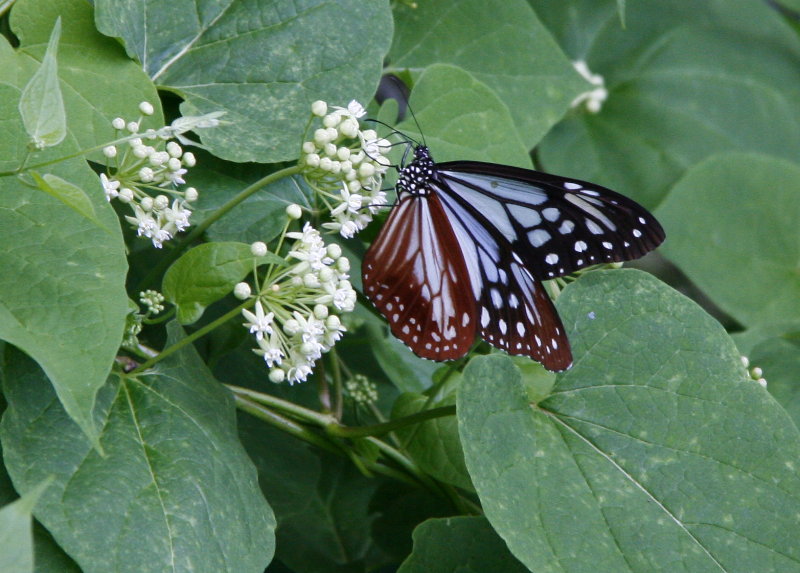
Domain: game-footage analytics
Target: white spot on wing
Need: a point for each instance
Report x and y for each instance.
(538, 237)
(551, 214)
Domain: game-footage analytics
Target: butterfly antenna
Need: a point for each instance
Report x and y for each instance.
(419, 129)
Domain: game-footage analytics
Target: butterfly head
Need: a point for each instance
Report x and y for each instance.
(414, 177)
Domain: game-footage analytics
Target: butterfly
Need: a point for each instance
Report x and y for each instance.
(467, 246)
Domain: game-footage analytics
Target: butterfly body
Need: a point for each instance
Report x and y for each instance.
(464, 251)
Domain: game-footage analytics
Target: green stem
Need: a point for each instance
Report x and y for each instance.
(184, 243)
(343, 431)
(191, 338)
(291, 427)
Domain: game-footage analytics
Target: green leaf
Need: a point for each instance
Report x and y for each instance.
(16, 532)
(685, 79)
(321, 501)
(264, 70)
(654, 452)
(462, 544)
(463, 119)
(501, 44)
(71, 195)
(731, 226)
(63, 285)
(206, 274)
(41, 105)
(174, 490)
(434, 445)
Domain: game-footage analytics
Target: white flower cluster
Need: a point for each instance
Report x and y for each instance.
(345, 165)
(145, 176)
(595, 97)
(303, 301)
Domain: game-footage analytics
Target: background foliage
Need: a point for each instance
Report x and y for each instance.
(655, 452)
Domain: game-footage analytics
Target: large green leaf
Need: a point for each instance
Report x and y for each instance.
(503, 45)
(655, 452)
(174, 490)
(686, 79)
(732, 226)
(263, 64)
(62, 284)
(463, 544)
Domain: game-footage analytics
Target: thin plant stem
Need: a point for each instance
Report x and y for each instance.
(192, 337)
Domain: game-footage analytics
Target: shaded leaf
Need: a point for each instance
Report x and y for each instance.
(654, 452)
(461, 544)
(685, 79)
(716, 218)
(434, 444)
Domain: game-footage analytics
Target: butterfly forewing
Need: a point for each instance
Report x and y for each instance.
(554, 224)
(414, 273)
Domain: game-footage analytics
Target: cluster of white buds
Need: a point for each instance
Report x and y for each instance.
(595, 97)
(755, 373)
(153, 303)
(345, 165)
(361, 389)
(145, 174)
(296, 316)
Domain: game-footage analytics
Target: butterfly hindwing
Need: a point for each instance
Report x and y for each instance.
(556, 225)
(514, 312)
(414, 273)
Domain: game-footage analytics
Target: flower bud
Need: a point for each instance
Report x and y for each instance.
(319, 108)
(161, 202)
(259, 249)
(146, 108)
(294, 211)
(174, 149)
(241, 291)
